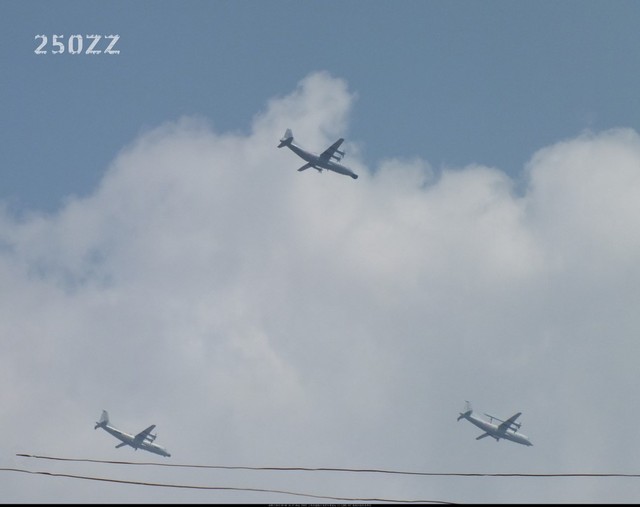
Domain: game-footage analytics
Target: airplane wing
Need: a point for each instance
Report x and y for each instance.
(483, 435)
(306, 166)
(121, 445)
(507, 424)
(144, 434)
(331, 150)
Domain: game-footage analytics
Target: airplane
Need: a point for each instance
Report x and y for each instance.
(322, 161)
(507, 430)
(143, 440)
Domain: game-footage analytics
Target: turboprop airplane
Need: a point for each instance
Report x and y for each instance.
(506, 429)
(143, 440)
(319, 162)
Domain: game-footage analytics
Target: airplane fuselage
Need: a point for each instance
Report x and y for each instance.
(131, 440)
(493, 431)
(319, 162)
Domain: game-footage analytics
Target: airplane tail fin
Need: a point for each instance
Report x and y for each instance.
(104, 420)
(467, 410)
(286, 139)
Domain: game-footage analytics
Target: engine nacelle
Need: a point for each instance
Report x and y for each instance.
(339, 155)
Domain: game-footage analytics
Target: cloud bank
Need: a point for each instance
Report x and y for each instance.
(261, 316)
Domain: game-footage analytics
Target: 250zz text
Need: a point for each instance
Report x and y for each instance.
(75, 44)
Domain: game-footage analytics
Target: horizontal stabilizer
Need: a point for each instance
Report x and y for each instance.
(286, 139)
(104, 420)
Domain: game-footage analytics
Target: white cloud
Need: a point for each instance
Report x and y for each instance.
(262, 316)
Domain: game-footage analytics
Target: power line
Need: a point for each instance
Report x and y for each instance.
(216, 488)
(329, 469)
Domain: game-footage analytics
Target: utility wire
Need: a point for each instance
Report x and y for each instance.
(327, 469)
(217, 488)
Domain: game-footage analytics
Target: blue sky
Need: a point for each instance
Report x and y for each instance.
(161, 259)
(454, 83)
